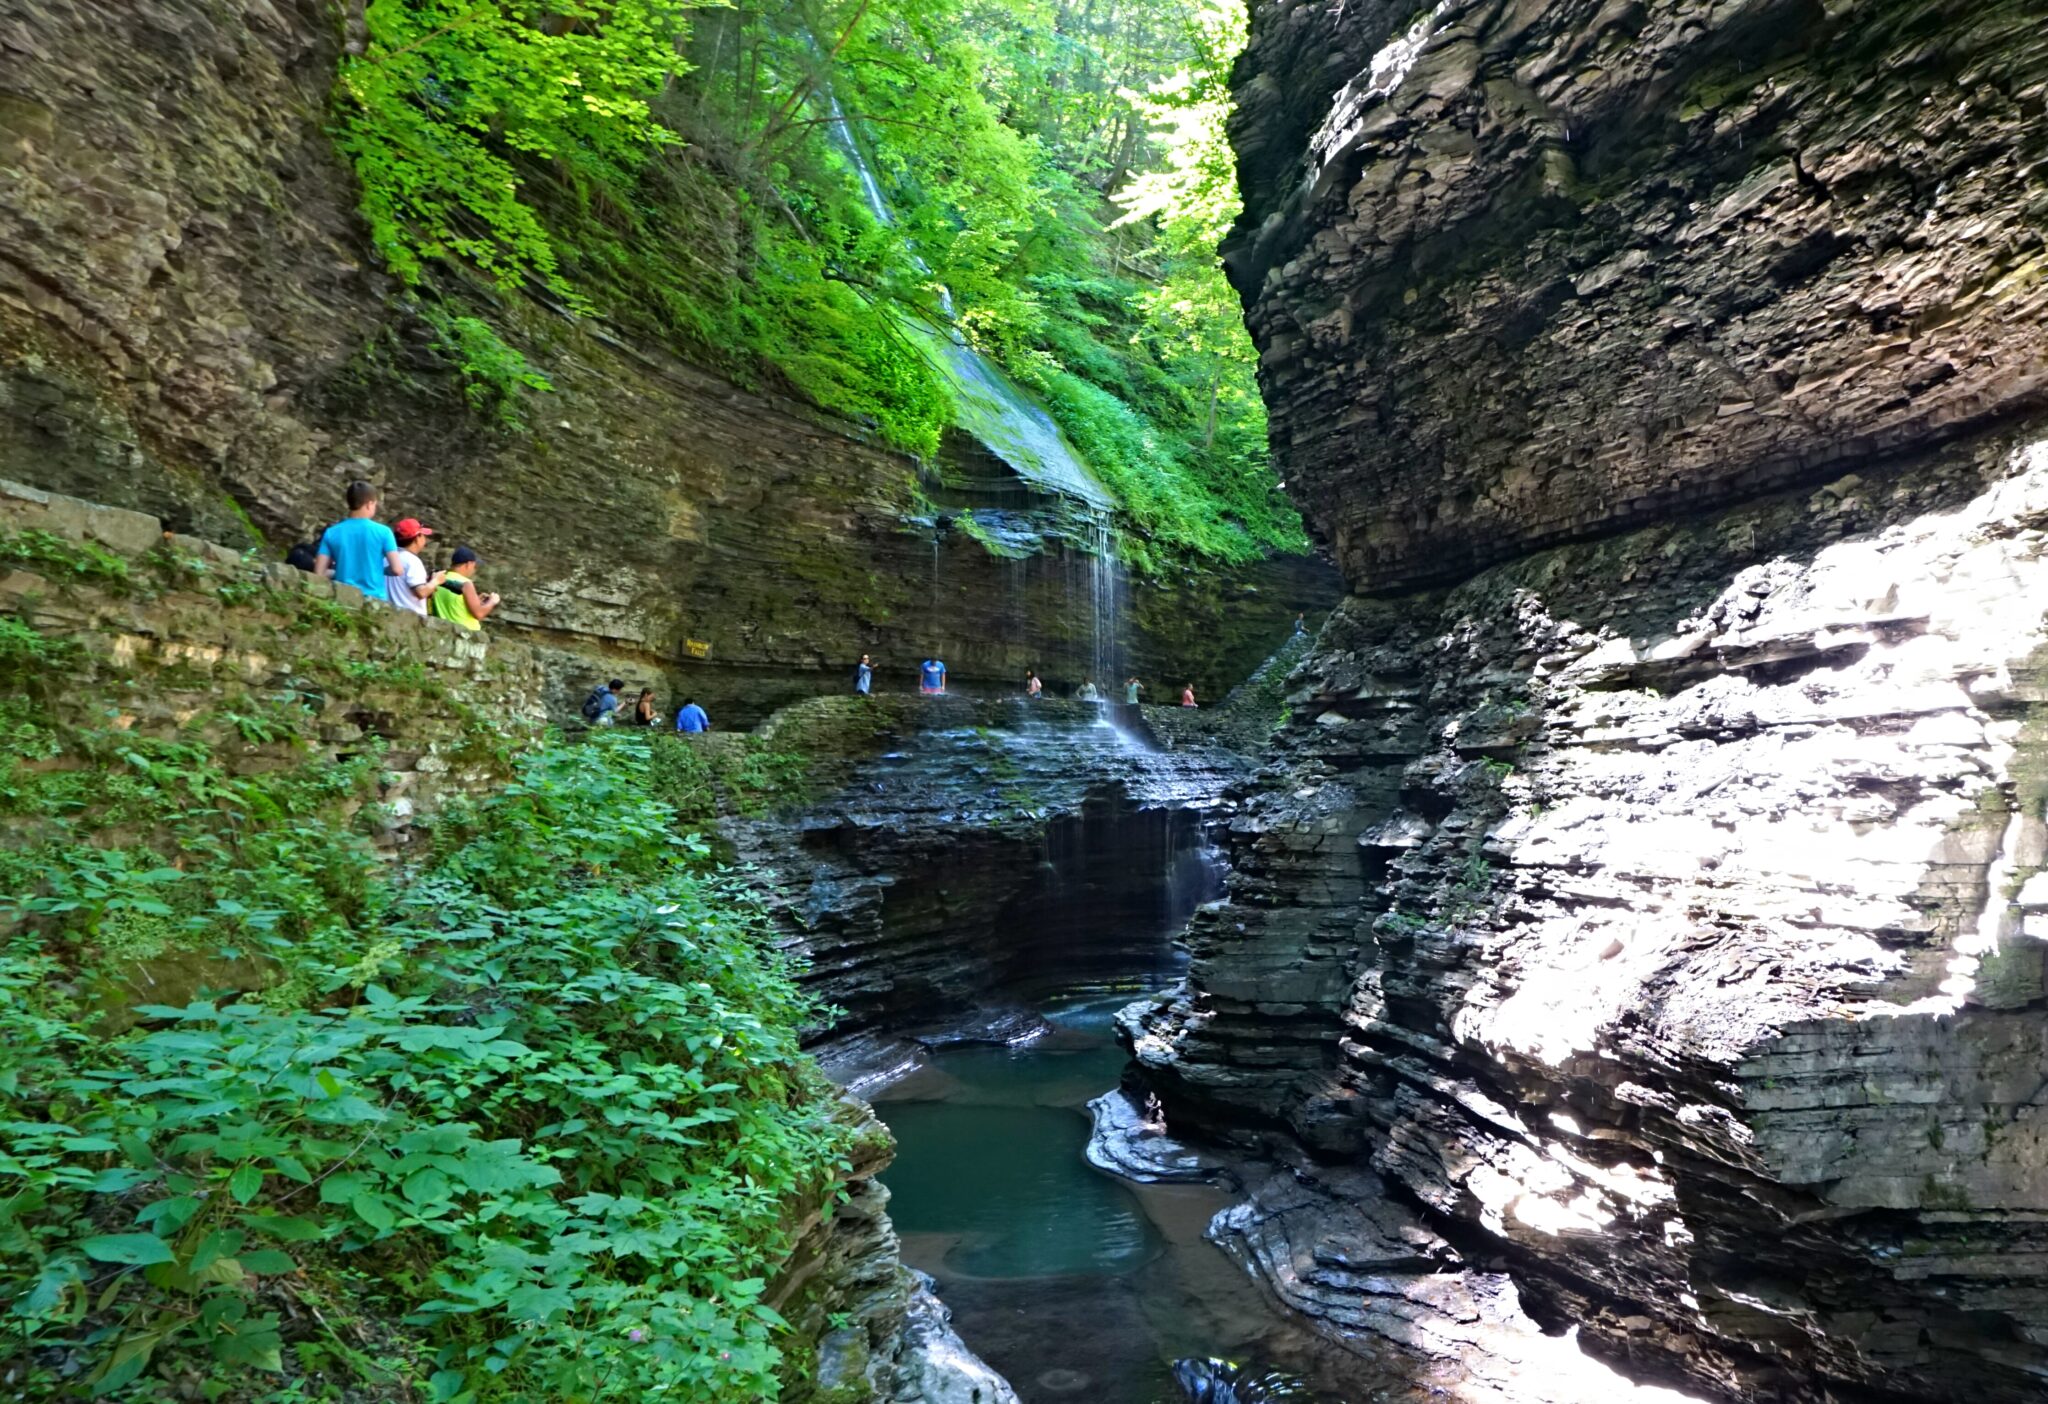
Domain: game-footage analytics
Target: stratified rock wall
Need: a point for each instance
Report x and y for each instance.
(1523, 271)
(1644, 887)
(192, 324)
(1665, 921)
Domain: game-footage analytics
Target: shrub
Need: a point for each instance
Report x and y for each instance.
(535, 1108)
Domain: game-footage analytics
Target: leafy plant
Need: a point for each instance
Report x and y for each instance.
(61, 556)
(548, 1082)
(495, 377)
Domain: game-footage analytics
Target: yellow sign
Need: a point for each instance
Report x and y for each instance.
(697, 648)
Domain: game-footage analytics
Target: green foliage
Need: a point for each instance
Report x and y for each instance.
(701, 777)
(547, 1085)
(494, 376)
(527, 1114)
(64, 558)
(449, 93)
(727, 204)
(26, 654)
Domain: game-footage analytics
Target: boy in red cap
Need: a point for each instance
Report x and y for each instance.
(411, 587)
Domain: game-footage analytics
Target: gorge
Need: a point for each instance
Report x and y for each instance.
(1594, 956)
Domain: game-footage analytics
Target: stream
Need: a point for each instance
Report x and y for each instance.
(1077, 1286)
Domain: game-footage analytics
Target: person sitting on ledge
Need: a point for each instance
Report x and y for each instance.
(1187, 695)
(691, 717)
(359, 550)
(457, 601)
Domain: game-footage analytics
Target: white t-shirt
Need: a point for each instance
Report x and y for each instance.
(399, 588)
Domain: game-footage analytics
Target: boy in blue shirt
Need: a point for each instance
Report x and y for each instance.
(692, 718)
(932, 677)
(359, 550)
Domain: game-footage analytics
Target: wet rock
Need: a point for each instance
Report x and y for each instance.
(1131, 1140)
(1707, 1011)
(936, 1367)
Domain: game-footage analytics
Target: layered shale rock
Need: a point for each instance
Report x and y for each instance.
(1522, 271)
(978, 848)
(192, 324)
(1654, 911)
(1661, 922)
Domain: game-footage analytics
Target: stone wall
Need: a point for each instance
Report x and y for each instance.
(1654, 914)
(192, 324)
(1519, 273)
(178, 636)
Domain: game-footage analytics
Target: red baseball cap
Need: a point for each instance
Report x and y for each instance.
(409, 527)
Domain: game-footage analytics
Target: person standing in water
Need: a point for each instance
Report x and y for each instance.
(931, 678)
(1032, 686)
(864, 677)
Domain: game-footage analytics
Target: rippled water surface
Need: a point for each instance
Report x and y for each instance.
(1076, 1285)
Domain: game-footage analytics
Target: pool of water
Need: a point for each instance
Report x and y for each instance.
(1074, 1284)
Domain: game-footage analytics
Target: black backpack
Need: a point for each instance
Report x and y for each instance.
(593, 705)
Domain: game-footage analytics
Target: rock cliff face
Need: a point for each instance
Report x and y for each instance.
(1654, 913)
(1519, 271)
(191, 324)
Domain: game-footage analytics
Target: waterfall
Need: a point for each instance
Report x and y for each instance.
(1105, 606)
(987, 404)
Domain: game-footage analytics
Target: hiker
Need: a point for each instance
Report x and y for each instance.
(864, 677)
(410, 586)
(643, 710)
(1187, 695)
(602, 706)
(457, 601)
(1032, 686)
(1131, 691)
(931, 678)
(1301, 624)
(358, 550)
(1087, 691)
(304, 555)
(691, 718)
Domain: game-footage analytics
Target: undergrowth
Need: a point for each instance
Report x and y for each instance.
(524, 1119)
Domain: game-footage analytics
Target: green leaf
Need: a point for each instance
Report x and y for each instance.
(133, 1248)
(245, 1184)
(283, 1228)
(268, 1260)
(372, 1210)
